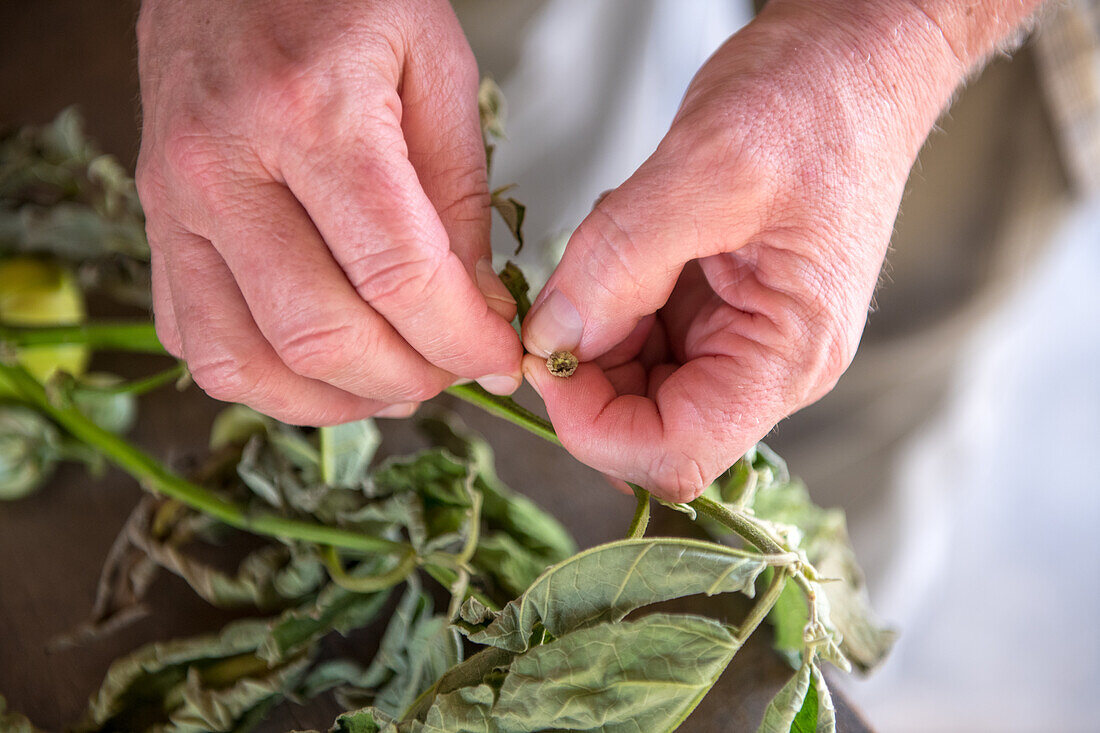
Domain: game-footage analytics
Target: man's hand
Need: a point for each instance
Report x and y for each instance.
(314, 181)
(725, 285)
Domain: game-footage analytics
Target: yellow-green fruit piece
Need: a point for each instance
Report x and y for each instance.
(37, 293)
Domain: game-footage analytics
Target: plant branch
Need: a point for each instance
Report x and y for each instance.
(763, 605)
(507, 408)
(154, 476)
(367, 583)
(136, 336)
(640, 522)
(749, 530)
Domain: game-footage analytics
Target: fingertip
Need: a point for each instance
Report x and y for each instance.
(398, 410)
(555, 324)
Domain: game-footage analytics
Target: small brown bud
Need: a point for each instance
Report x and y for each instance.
(561, 364)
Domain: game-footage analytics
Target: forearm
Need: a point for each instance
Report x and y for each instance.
(910, 54)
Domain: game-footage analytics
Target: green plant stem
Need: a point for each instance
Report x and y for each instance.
(446, 577)
(136, 336)
(140, 336)
(367, 583)
(154, 476)
(144, 385)
(749, 530)
(763, 605)
(507, 408)
(640, 522)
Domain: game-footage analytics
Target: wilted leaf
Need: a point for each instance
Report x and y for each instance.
(824, 537)
(346, 452)
(609, 581)
(503, 508)
(517, 286)
(781, 712)
(416, 649)
(156, 682)
(467, 710)
(335, 609)
(512, 212)
(510, 564)
(644, 675)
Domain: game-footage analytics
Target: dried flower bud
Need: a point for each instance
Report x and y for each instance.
(561, 364)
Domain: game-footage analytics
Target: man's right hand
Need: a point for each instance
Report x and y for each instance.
(314, 182)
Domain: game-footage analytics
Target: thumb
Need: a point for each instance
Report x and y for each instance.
(623, 261)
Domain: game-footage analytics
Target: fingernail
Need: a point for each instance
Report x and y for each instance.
(499, 384)
(496, 295)
(401, 409)
(555, 325)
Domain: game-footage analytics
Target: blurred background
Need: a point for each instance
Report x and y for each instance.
(962, 442)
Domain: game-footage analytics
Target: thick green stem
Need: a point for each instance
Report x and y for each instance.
(640, 522)
(763, 605)
(507, 408)
(137, 336)
(749, 530)
(154, 476)
(141, 337)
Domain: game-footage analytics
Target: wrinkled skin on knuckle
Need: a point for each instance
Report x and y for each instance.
(313, 348)
(677, 477)
(223, 377)
(399, 277)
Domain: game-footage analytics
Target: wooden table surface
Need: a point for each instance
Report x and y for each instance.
(53, 544)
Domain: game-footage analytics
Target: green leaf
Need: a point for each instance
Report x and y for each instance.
(503, 508)
(646, 675)
(416, 649)
(609, 581)
(512, 212)
(467, 710)
(506, 561)
(806, 720)
(514, 280)
(823, 535)
(346, 452)
(826, 711)
(779, 716)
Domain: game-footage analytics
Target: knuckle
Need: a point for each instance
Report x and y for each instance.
(315, 351)
(192, 156)
(401, 275)
(223, 378)
(677, 476)
(467, 198)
